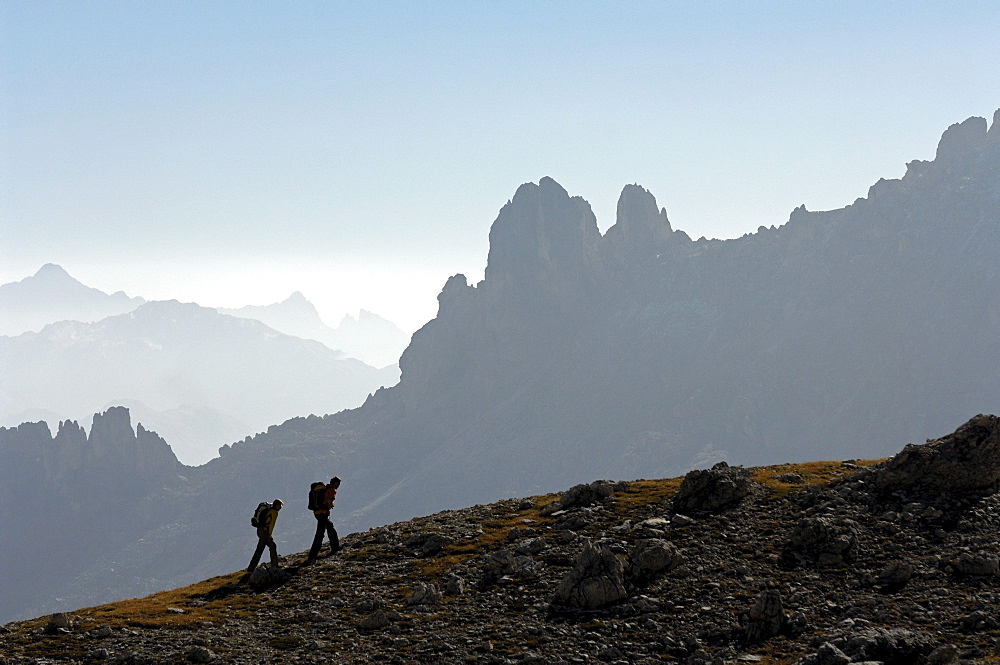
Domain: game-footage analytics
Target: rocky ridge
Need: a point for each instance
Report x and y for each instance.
(812, 564)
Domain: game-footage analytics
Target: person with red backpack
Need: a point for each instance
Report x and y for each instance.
(321, 498)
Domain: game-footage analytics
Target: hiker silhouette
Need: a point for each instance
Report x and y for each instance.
(321, 498)
(264, 519)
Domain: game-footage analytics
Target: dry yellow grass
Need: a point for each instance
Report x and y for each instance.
(155, 611)
(812, 473)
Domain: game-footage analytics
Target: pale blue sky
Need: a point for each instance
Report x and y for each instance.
(231, 152)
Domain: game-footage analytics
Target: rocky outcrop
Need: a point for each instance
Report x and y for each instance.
(596, 580)
(824, 541)
(544, 246)
(112, 456)
(712, 490)
(640, 233)
(967, 460)
(583, 495)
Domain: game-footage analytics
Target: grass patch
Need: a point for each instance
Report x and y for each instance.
(494, 537)
(152, 611)
(812, 473)
(642, 493)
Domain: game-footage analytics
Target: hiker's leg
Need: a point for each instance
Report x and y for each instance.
(334, 539)
(318, 538)
(261, 543)
(273, 548)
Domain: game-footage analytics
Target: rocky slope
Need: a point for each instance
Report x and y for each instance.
(824, 563)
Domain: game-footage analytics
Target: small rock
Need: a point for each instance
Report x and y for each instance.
(201, 655)
(895, 575)
(424, 594)
(375, 620)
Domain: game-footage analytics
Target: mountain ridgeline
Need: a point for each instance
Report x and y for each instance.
(198, 377)
(636, 353)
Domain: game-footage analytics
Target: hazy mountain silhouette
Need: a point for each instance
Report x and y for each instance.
(51, 295)
(639, 353)
(369, 338)
(204, 378)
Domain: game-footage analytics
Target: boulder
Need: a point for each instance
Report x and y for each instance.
(895, 575)
(268, 576)
(825, 541)
(59, 623)
(767, 617)
(596, 580)
(892, 646)
(976, 565)
(651, 558)
(583, 495)
(505, 563)
(424, 594)
(376, 620)
(428, 544)
(201, 655)
(712, 490)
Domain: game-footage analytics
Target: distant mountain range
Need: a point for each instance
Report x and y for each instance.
(200, 378)
(52, 295)
(636, 353)
(197, 374)
(369, 338)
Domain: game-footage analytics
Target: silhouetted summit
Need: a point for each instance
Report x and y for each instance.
(51, 294)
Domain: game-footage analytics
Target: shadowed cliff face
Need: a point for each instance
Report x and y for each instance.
(71, 499)
(644, 352)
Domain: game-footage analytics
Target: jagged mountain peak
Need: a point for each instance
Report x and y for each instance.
(961, 138)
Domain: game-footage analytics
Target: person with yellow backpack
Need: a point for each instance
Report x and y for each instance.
(321, 498)
(264, 518)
